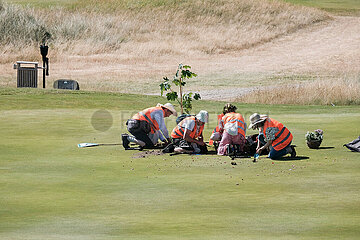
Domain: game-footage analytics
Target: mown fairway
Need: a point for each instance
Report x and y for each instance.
(50, 189)
(334, 6)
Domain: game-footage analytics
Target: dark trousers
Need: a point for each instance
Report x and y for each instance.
(179, 142)
(141, 135)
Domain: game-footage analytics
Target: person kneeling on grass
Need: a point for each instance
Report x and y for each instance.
(187, 135)
(274, 135)
(148, 126)
(232, 127)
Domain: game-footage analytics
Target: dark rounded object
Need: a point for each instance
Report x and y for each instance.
(66, 84)
(314, 144)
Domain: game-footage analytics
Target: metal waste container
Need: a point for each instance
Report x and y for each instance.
(27, 74)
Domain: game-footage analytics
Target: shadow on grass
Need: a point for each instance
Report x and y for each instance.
(297, 158)
(325, 148)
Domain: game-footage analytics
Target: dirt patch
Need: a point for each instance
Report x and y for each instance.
(148, 153)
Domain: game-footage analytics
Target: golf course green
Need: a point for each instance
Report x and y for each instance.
(51, 189)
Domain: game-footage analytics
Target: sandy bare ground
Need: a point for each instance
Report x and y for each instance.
(325, 49)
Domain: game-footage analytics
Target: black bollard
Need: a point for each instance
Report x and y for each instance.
(44, 51)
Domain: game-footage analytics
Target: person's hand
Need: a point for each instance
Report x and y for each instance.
(201, 143)
(259, 150)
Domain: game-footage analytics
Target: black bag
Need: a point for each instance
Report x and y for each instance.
(182, 117)
(354, 145)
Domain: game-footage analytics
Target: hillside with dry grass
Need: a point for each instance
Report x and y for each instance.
(175, 27)
(129, 45)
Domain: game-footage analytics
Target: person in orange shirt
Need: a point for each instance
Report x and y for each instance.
(148, 126)
(187, 135)
(232, 127)
(274, 135)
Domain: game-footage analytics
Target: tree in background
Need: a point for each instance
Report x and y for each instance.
(184, 99)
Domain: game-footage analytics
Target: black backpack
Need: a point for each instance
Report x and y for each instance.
(182, 117)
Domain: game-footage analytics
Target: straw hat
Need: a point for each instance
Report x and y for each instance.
(203, 116)
(168, 106)
(256, 118)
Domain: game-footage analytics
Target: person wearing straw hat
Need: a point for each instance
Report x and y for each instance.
(187, 135)
(232, 127)
(148, 126)
(273, 135)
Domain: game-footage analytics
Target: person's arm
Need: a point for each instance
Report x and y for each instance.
(260, 149)
(270, 137)
(259, 142)
(201, 138)
(164, 134)
(191, 140)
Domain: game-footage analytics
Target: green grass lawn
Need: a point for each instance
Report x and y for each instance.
(50, 189)
(343, 7)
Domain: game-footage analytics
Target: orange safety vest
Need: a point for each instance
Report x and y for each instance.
(178, 131)
(282, 138)
(235, 117)
(145, 115)
(217, 129)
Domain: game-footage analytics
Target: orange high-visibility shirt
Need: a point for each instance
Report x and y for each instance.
(145, 115)
(179, 130)
(282, 138)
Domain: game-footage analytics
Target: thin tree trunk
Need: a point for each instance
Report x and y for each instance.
(181, 98)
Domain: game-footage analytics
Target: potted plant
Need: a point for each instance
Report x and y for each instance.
(314, 139)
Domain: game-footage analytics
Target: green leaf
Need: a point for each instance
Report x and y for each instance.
(162, 88)
(187, 95)
(197, 96)
(187, 99)
(176, 81)
(172, 96)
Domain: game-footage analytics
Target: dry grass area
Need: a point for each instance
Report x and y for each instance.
(344, 91)
(141, 28)
(128, 46)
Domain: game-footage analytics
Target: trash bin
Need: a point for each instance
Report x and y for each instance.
(27, 74)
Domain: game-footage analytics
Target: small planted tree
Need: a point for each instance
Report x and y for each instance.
(183, 73)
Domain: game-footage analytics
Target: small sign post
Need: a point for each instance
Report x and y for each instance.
(44, 51)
